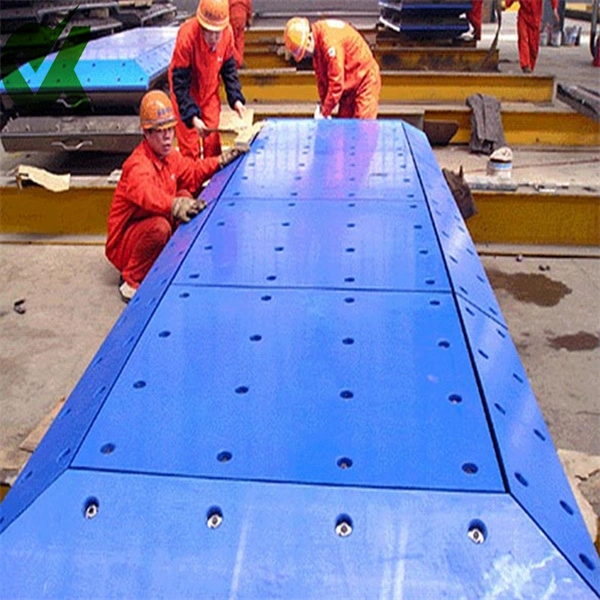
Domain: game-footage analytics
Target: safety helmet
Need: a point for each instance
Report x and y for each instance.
(156, 111)
(213, 14)
(296, 35)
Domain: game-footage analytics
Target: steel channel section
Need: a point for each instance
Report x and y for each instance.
(287, 408)
(150, 539)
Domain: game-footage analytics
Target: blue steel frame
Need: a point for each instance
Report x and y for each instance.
(313, 394)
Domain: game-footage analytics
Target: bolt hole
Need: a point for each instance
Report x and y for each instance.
(344, 463)
(587, 562)
(164, 334)
(346, 394)
(500, 408)
(138, 385)
(107, 448)
(265, 298)
(434, 302)
(348, 341)
(455, 399)
(477, 532)
(184, 295)
(521, 479)
(350, 249)
(90, 508)
(444, 344)
(224, 456)
(271, 277)
(343, 526)
(349, 279)
(349, 300)
(242, 389)
(255, 338)
(430, 281)
(539, 434)
(194, 275)
(278, 248)
(567, 508)
(470, 468)
(214, 517)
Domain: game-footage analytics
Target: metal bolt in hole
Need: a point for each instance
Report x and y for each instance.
(214, 517)
(477, 532)
(343, 526)
(90, 509)
(344, 463)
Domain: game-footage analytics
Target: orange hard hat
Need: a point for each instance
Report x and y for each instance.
(156, 111)
(296, 35)
(213, 14)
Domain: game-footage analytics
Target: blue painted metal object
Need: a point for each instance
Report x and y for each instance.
(127, 61)
(311, 395)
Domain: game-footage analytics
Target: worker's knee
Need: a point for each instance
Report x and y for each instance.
(158, 231)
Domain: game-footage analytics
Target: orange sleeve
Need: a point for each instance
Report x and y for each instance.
(190, 173)
(334, 62)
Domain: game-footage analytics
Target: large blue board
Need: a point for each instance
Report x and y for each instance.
(313, 394)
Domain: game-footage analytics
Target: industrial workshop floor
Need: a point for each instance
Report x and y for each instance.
(59, 300)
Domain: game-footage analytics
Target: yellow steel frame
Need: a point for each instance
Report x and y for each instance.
(514, 217)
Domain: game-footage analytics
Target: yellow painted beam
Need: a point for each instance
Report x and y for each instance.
(35, 210)
(289, 85)
(503, 218)
(528, 218)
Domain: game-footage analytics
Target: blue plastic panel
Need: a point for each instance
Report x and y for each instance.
(150, 539)
(351, 244)
(129, 60)
(309, 386)
(364, 161)
(534, 473)
(467, 275)
(59, 446)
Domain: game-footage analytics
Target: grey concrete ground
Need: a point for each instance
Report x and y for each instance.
(552, 305)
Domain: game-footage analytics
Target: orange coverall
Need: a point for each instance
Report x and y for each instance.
(529, 22)
(194, 83)
(347, 73)
(139, 220)
(240, 17)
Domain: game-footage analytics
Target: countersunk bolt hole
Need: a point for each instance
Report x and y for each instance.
(107, 448)
(139, 384)
(255, 338)
(91, 507)
(224, 456)
(470, 468)
(587, 562)
(214, 517)
(343, 526)
(444, 344)
(346, 394)
(348, 341)
(344, 463)
(477, 532)
(242, 389)
(566, 508)
(265, 298)
(455, 398)
(164, 334)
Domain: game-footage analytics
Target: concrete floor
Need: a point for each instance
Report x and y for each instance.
(551, 304)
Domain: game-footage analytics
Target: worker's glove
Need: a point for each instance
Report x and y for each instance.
(230, 155)
(184, 209)
(318, 114)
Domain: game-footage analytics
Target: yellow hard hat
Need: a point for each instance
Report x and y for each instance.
(213, 14)
(296, 36)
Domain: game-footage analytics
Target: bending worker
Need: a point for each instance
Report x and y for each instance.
(529, 22)
(347, 73)
(240, 18)
(204, 52)
(155, 193)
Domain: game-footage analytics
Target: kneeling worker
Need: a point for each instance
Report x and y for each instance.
(346, 70)
(155, 193)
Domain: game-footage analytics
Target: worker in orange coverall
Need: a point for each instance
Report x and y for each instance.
(154, 194)
(347, 73)
(474, 16)
(240, 18)
(529, 22)
(204, 52)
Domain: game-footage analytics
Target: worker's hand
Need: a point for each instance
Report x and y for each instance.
(239, 108)
(200, 126)
(184, 209)
(230, 155)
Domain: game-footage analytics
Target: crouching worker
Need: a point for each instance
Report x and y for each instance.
(155, 193)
